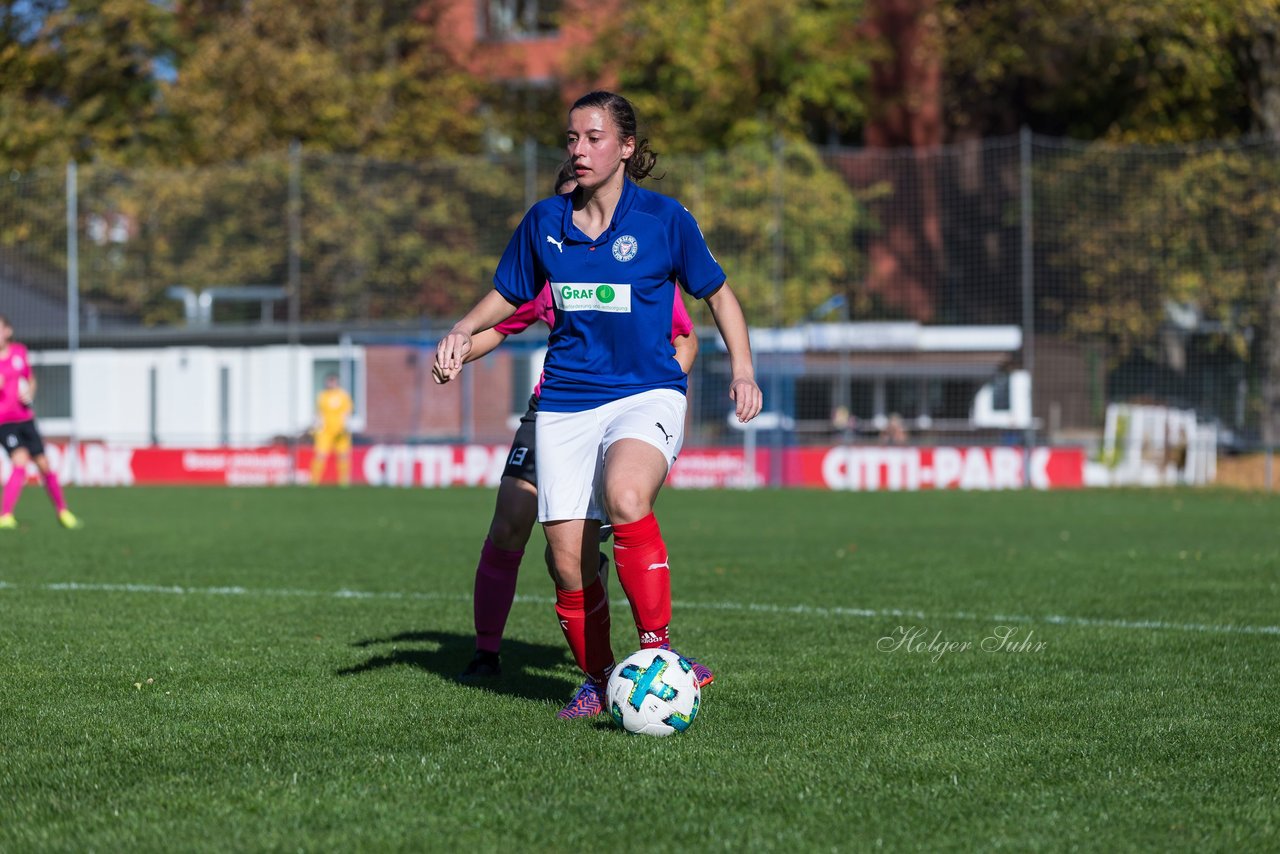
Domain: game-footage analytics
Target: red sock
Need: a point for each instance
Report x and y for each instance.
(584, 617)
(495, 591)
(641, 558)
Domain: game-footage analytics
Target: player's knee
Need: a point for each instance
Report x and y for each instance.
(627, 504)
(509, 533)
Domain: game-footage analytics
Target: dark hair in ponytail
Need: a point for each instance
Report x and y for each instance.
(564, 174)
(643, 159)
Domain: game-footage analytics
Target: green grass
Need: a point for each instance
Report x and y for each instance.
(269, 669)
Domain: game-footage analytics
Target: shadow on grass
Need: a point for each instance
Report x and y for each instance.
(447, 653)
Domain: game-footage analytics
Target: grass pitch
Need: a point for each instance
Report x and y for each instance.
(253, 669)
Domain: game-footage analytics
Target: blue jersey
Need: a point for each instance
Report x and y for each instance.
(612, 332)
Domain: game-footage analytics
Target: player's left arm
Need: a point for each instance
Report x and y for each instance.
(732, 323)
(702, 276)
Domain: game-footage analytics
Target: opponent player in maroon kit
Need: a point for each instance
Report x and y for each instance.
(18, 432)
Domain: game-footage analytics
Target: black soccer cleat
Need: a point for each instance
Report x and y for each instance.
(483, 665)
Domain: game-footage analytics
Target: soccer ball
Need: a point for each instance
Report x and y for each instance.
(653, 692)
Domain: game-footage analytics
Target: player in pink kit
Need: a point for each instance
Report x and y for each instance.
(516, 509)
(18, 432)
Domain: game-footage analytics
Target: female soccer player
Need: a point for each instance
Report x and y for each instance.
(612, 407)
(18, 432)
(516, 508)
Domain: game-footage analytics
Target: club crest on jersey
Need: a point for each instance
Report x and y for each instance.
(625, 247)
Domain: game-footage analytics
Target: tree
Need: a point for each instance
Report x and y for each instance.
(1125, 70)
(380, 240)
(361, 84)
(779, 220)
(749, 86)
(712, 75)
(1191, 231)
(353, 76)
(1139, 231)
(79, 80)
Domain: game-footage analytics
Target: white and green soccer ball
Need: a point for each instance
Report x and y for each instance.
(653, 692)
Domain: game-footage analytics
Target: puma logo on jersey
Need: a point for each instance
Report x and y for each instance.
(663, 565)
(559, 244)
(667, 435)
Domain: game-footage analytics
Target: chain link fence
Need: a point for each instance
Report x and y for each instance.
(1002, 290)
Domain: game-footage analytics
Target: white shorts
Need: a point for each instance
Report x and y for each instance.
(571, 447)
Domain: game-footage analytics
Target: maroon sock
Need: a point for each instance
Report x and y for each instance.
(494, 592)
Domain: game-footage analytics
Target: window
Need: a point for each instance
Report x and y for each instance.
(813, 399)
(53, 390)
(951, 399)
(515, 19)
(348, 379)
(902, 397)
(862, 400)
(1001, 394)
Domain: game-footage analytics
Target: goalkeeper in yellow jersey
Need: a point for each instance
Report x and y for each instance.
(332, 436)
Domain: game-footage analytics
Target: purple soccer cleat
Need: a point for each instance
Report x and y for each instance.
(587, 702)
(700, 671)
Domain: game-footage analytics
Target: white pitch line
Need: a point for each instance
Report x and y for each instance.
(738, 607)
(1055, 619)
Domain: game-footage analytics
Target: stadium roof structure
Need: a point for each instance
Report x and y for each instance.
(890, 337)
(973, 365)
(887, 349)
(417, 333)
